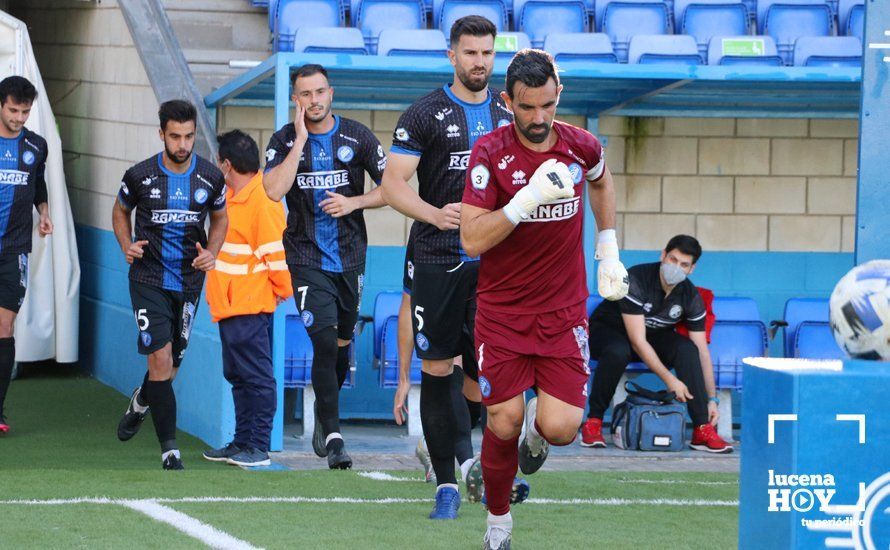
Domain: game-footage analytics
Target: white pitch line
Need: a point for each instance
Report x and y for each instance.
(192, 527)
(349, 500)
(383, 476)
(676, 482)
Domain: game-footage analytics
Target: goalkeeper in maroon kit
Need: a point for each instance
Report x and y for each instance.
(522, 213)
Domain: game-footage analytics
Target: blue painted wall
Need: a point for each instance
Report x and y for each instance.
(108, 334)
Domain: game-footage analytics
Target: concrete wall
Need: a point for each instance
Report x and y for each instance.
(746, 184)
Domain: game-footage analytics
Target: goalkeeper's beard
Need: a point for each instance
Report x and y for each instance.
(539, 137)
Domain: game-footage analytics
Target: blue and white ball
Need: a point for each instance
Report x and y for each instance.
(859, 311)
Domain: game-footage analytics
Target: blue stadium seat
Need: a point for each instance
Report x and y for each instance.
(661, 49)
(329, 40)
(850, 17)
(814, 340)
(765, 45)
(446, 12)
(376, 15)
(425, 42)
(298, 351)
(828, 51)
(515, 40)
(800, 310)
(592, 301)
(294, 14)
(582, 46)
(599, 14)
(386, 340)
(623, 20)
(791, 19)
(705, 19)
(539, 18)
(736, 309)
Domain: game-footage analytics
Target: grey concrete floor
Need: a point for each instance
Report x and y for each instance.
(378, 446)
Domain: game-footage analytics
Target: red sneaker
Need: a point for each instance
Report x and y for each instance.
(4, 427)
(592, 433)
(705, 438)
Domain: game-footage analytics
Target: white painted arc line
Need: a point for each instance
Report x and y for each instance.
(347, 500)
(383, 476)
(184, 523)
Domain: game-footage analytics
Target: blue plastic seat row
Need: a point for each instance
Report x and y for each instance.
(386, 340)
(298, 351)
(807, 332)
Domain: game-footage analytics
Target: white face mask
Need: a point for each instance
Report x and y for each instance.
(672, 274)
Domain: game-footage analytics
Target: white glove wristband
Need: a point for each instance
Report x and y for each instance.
(607, 236)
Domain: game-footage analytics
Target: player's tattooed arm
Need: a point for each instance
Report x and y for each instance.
(400, 168)
(278, 180)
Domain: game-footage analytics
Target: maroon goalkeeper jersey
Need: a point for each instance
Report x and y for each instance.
(539, 267)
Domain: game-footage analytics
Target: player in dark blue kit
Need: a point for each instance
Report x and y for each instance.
(22, 187)
(433, 139)
(172, 193)
(318, 164)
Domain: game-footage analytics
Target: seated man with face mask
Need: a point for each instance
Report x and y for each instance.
(640, 327)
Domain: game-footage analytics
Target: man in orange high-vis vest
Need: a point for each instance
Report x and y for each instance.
(249, 281)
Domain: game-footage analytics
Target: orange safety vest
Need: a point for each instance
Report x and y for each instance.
(251, 274)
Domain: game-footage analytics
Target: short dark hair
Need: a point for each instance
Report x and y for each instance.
(241, 150)
(18, 88)
(531, 67)
(471, 25)
(308, 69)
(177, 110)
(686, 245)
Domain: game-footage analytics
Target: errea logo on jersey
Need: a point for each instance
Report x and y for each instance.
(323, 180)
(507, 159)
(13, 177)
(453, 131)
(459, 160)
(556, 211)
(174, 216)
(519, 178)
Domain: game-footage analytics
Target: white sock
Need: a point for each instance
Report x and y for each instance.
(452, 485)
(332, 435)
(174, 452)
(465, 467)
(136, 406)
(504, 522)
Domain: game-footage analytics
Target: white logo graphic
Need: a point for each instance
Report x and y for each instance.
(290, 144)
(380, 151)
(647, 307)
(519, 178)
(8, 154)
(800, 499)
(576, 157)
(347, 138)
(858, 526)
(148, 180)
(188, 315)
(203, 180)
(460, 160)
(442, 114)
(503, 122)
(201, 196)
(577, 172)
(270, 154)
(174, 216)
(411, 270)
(402, 134)
(581, 339)
(479, 176)
(13, 177)
(453, 131)
(562, 209)
(28, 158)
(124, 188)
(155, 193)
(323, 179)
(675, 311)
(507, 159)
(220, 200)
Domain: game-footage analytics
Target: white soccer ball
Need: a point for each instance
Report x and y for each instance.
(859, 311)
